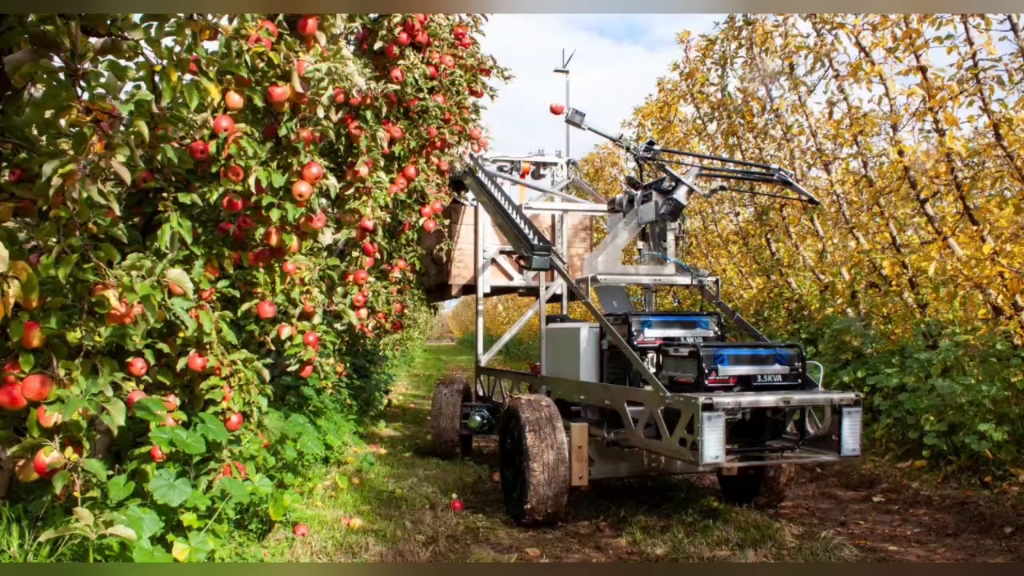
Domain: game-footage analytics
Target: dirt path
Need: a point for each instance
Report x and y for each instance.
(846, 514)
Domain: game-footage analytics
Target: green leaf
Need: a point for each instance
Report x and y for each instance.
(146, 552)
(62, 531)
(84, 516)
(95, 467)
(235, 488)
(180, 277)
(27, 361)
(122, 531)
(144, 521)
(65, 265)
(167, 489)
(117, 410)
(61, 480)
(143, 130)
(191, 95)
(212, 428)
(49, 167)
(279, 506)
(121, 171)
(200, 545)
(111, 253)
(151, 409)
(206, 319)
(190, 442)
(190, 520)
(119, 488)
(72, 405)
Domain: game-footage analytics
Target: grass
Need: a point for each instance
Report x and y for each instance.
(403, 502)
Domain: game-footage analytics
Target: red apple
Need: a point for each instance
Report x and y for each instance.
(171, 402)
(359, 300)
(369, 249)
(32, 337)
(284, 331)
(301, 530)
(157, 454)
(366, 224)
(223, 124)
(16, 175)
(436, 207)
(361, 277)
(426, 211)
(457, 505)
(429, 226)
(137, 367)
(306, 26)
(397, 75)
(234, 422)
(557, 109)
(306, 370)
(36, 387)
(234, 101)
(197, 362)
(266, 310)
(199, 151)
(47, 419)
(145, 178)
(278, 95)
(410, 172)
(302, 191)
(232, 203)
(134, 396)
(10, 372)
(48, 461)
(234, 173)
(312, 172)
(25, 472)
(289, 268)
(311, 339)
(273, 237)
(11, 398)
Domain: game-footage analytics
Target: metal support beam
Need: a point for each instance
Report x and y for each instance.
(518, 326)
(543, 304)
(481, 268)
(586, 209)
(531, 186)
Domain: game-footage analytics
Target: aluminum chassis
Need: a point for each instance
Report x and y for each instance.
(629, 452)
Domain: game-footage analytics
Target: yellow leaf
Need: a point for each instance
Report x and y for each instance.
(212, 89)
(180, 551)
(987, 248)
(20, 269)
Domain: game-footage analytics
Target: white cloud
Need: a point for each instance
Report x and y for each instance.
(617, 63)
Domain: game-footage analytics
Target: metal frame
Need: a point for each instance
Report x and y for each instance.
(647, 444)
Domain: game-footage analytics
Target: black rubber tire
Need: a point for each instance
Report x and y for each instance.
(446, 418)
(534, 454)
(758, 486)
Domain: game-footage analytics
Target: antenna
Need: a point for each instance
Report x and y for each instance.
(564, 69)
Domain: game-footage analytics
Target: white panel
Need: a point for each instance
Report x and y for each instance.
(572, 351)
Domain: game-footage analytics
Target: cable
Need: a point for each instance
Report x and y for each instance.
(692, 271)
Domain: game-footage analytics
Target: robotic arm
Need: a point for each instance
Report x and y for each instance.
(675, 188)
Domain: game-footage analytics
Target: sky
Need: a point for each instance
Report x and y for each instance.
(617, 62)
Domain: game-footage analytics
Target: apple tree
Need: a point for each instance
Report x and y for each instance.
(210, 225)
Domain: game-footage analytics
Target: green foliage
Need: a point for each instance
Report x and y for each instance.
(167, 229)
